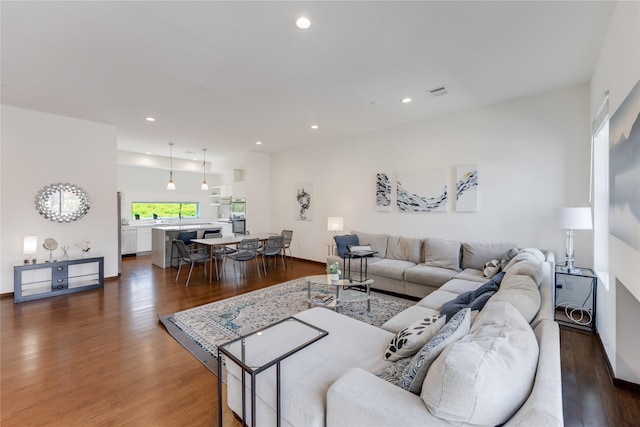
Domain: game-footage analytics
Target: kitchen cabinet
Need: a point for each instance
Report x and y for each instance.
(144, 239)
(128, 240)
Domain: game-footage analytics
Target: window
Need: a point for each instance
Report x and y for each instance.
(601, 202)
(149, 210)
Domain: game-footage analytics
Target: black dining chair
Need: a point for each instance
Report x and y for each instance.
(272, 248)
(192, 258)
(247, 250)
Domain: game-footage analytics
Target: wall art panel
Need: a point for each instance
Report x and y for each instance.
(467, 188)
(304, 201)
(422, 191)
(383, 192)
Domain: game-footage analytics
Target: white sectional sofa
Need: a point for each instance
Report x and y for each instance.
(500, 365)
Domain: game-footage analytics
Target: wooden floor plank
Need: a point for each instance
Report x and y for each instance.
(102, 358)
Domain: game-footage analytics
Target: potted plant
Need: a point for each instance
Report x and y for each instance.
(334, 271)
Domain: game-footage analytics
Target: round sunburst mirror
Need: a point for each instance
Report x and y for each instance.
(62, 202)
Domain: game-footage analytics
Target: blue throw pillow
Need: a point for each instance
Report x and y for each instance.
(343, 243)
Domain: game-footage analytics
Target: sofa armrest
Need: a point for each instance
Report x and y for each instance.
(543, 407)
(359, 398)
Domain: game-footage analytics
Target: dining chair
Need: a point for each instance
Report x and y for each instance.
(186, 257)
(286, 244)
(246, 251)
(185, 237)
(219, 252)
(272, 248)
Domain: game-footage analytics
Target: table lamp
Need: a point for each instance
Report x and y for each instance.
(335, 224)
(573, 218)
(30, 247)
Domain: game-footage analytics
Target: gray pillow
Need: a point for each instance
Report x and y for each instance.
(442, 253)
(415, 372)
(476, 254)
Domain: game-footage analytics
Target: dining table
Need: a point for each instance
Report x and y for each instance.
(213, 242)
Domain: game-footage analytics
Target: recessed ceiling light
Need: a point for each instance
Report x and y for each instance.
(406, 100)
(150, 119)
(303, 23)
(258, 142)
(314, 126)
(147, 152)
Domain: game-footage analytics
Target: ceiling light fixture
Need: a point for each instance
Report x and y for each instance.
(314, 126)
(406, 100)
(171, 185)
(150, 119)
(258, 142)
(204, 185)
(303, 23)
(439, 91)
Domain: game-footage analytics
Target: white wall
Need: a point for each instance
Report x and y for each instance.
(532, 154)
(145, 184)
(618, 310)
(39, 149)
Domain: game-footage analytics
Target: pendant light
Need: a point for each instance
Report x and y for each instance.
(204, 185)
(171, 185)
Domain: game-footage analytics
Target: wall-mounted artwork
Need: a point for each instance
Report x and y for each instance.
(422, 191)
(304, 199)
(383, 192)
(467, 188)
(624, 171)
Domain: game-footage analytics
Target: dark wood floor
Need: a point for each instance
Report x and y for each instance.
(102, 358)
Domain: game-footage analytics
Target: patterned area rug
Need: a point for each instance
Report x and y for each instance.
(201, 329)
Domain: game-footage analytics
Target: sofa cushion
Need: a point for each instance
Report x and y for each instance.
(526, 264)
(471, 274)
(408, 341)
(343, 243)
(442, 253)
(391, 268)
(460, 286)
(407, 317)
(473, 379)
(476, 254)
(427, 275)
(404, 249)
(436, 298)
(377, 241)
(415, 372)
(507, 257)
(522, 293)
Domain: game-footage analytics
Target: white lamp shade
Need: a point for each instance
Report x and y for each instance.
(30, 245)
(335, 223)
(204, 185)
(171, 185)
(575, 218)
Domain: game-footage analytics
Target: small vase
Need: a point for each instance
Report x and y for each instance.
(335, 277)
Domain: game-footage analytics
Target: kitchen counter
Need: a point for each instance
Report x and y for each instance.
(162, 237)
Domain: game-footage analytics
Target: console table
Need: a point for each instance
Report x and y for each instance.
(48, 279)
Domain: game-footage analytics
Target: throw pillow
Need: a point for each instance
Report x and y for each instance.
(408, 341)
(491, 268)
(507, 257)
(485, 377)
(343, 243)
(415, 372)
(393, 373)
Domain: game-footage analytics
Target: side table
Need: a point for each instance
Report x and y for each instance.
(261, 349)
(575, 298)
(362, 256)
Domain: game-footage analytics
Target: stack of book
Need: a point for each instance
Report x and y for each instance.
(322, 298)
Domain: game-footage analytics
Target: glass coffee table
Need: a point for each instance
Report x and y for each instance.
(261, 349)
(346, 291)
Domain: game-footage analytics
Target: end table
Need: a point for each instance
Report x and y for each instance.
(575, 298)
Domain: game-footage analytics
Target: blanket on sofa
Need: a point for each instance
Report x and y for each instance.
(474, 300)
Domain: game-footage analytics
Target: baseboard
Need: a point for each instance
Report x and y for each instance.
(628, 385)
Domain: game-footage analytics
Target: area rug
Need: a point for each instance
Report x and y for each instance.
(202, 328)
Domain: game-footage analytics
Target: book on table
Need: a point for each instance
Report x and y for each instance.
(322, 298)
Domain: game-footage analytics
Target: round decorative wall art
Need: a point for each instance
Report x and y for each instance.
(62, 202)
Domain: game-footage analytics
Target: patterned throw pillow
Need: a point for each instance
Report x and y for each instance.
(408, 341)
(491, 268)
(393, 373)
(415, 372)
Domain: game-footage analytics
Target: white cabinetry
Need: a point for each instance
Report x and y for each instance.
(144, 239)
(128, 241)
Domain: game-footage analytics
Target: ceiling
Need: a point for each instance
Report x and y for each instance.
(223, 75)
